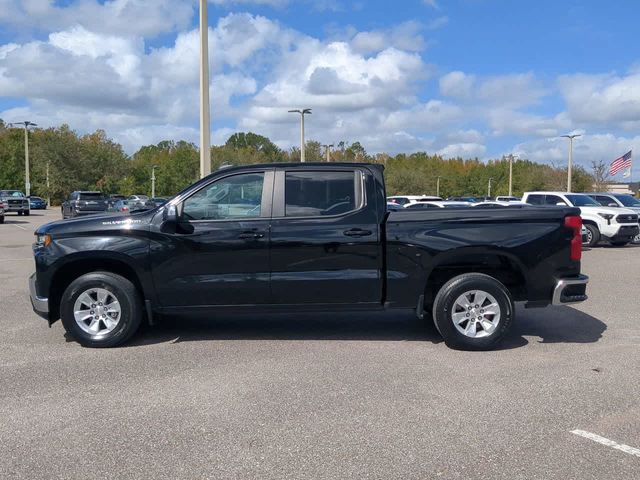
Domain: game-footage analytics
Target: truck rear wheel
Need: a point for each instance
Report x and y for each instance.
(101, 309)
(473, 312)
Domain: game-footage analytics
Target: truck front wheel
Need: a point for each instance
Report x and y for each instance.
(101, 309)
(473, 312)
(593, 235)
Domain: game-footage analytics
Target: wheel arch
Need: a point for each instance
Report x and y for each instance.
(502, 266)
(79, 266)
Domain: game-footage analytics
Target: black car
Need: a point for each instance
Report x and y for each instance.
(83, 203)
(302, 237)
(159, 201)
(37, 203)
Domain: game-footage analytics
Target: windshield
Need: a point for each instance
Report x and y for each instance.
(11, 193)
(582, 201)
(91, 196)
(628, 200)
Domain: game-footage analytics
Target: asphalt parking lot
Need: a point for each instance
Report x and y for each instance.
(366, 396)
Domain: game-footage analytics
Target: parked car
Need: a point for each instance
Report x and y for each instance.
(3, 207)
(618, 226)
(139, 202)
(404, 200)
(499, 204)
(437, 204)
(307, 236)
(113, 198)
(466, 198)
(120, 206)
(158, 201)
(37, 203)
(16, 201)
(507, 198)
(83, 203)
(618, 200)
(393, 206)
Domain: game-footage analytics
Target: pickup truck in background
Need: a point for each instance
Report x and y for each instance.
(616, 225)
(15, 201)
(305, 237)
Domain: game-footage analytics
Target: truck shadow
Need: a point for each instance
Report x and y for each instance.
(551, 325)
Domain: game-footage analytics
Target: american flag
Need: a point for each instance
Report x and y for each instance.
(621, 163)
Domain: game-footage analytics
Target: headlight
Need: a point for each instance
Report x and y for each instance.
(606, 216)
(43, 240)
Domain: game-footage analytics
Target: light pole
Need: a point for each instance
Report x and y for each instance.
(153, 180)
(302, 113)
(27, 182)
(205, 114)
(327, 151)
(438, 186)
(48, 190)
(510, 157)
(570, 166)
(489, 187)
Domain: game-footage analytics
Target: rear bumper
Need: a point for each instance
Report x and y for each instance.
(570, 290)
(40, 304)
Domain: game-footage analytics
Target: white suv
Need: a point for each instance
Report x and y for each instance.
(617, 225)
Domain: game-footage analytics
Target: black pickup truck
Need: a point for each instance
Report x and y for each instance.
(300, 237)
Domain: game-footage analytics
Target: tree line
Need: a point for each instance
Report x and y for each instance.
(95, 162)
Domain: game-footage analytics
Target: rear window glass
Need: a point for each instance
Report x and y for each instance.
(91, 196)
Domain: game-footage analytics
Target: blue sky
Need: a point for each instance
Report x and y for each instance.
(468, 77)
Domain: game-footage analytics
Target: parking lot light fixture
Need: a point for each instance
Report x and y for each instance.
(302, 112)
(438, 186)
(26, 124)
(570, 164)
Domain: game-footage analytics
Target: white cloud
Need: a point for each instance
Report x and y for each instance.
(405, 36)
(457, 84)
(128, 17)
(603, 99)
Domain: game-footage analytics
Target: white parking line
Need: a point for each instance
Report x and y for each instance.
(609, 443)
(18, 226)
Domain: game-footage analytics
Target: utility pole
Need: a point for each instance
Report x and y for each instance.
(48, 190)
(327, 151)
(27, 181)
(489, 188)
(302, 112)
(205, 113)
(153, 180)
(570, 166)
(438, 186)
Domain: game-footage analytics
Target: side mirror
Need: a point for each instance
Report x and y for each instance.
(612, 204)
(561, 204)
(170, 215)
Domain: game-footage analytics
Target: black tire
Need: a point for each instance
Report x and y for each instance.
(128, 297)
(593, 237)
(26, 212)
(445, 306)
(2, 219)
(623, 243)
(19, 213)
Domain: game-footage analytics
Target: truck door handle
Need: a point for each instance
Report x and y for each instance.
(250, 235)
(357, 232)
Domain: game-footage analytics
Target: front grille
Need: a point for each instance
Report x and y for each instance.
(627, 218)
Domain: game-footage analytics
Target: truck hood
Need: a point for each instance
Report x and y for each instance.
(97, 223)
(606, 210)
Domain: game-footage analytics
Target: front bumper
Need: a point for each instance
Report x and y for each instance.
(626, 232)
(40, 304)
(570, 290)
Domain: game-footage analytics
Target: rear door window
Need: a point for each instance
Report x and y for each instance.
(535, 199)
(321, 193)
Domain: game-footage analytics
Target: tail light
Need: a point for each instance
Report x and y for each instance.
(574, 222)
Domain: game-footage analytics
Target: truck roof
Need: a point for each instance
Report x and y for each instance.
(301, 165)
